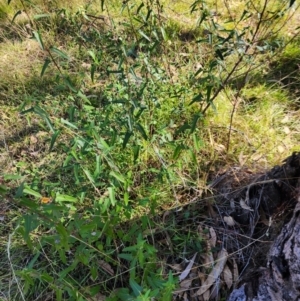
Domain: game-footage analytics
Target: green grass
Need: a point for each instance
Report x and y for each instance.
(110, 135)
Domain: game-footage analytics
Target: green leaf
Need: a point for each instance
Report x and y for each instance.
(194, 122)
(3, 189)
(53, 139)
(139, 8)
(33, 260)
(126, 256)
(59, 53)
(102, 144)
(46, 277)
(98, 166)
(32, 205)
(126, 138)
(82, 96)
(182, 128)
(38, 37)
(93, 69)
(208, 92)
(44, 116)
(65, 198)
(37, 17)
(30, 191)
(144, 35)
(163, 32)
(69, 84)
(16, 14)
(219, 54)
(124, 295)
(30, 223)
(62, 274)
(131, 249)
(19, 192)
(197, 98)
(27, 111)
(64, 121)
(112, 195)
(126, 198)
(198, 144)
(63, 234)
(136, 152)
(12, 177)
(46, 64)
(89, 175)
(177, 151)
(117, 176)
(141, 130)
(92, 55)
(137, 289)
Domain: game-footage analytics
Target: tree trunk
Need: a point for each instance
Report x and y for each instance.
(279, 278)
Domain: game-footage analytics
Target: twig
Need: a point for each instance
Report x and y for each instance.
(11, 265)
(253, 184)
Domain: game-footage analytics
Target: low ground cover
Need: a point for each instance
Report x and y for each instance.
(114, 114)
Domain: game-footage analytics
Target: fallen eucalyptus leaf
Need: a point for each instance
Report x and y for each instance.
(187, 270)
(244, 205)
(227, 276)
(214, 274)
(229, 220)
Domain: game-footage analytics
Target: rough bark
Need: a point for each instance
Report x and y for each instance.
(279, 278)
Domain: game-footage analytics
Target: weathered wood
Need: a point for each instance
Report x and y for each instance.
(279, 278)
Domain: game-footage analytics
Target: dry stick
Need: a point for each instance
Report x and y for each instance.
(231, 120)
(256, 183)
(11, 265)
(234, 109)
(25, 10)
(53, 60)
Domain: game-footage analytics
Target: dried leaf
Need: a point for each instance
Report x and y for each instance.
(244, 205)
(286, 119)
(286, 130)
(99, 297)
(280, 149)
(208, 260)
(200, 230)
(242, 158)
(206, 295)
(213, 237)
(235, 271)
(185, 298)
(166, 214)
(219, 147)
(229, 221)
(215, 273)
(106, 267)
(187, 270)
(215, 290)
(176, 267)
(46, 200)
(201, 277)
(33, 139)
(227, 276)
(186, 283)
